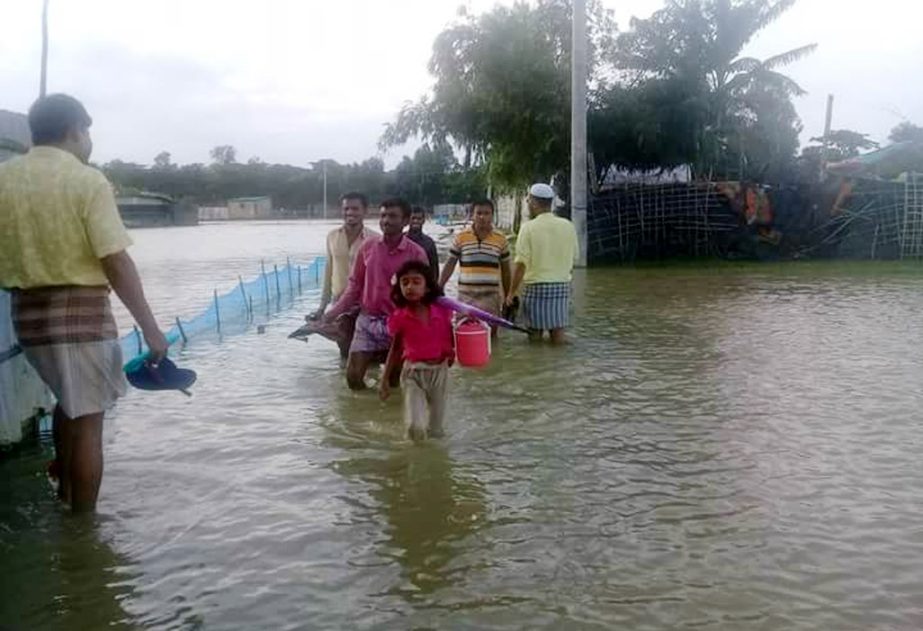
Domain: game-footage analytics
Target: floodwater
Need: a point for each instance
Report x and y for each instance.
(721, 447)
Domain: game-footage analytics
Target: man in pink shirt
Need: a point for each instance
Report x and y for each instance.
(369, 288)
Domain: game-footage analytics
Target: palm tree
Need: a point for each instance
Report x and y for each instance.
(700, 42)
(732, 79)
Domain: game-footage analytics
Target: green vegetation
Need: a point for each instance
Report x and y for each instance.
(673, 89)
(430, 177)
(502, 89)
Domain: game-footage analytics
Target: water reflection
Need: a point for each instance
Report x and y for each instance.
(428, 509)
(728, 447)
(58, 569)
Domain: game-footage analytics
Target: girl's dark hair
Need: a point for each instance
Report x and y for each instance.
(433, 290)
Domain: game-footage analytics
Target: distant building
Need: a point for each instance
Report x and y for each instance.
(250, 208)
(149, 210)
(445, 214)
(15, 137)
(507, 209)
(213, 213)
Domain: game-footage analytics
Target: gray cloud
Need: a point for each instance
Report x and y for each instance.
(295, 82)
(143, 104)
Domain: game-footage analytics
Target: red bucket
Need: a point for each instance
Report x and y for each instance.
(472, 343)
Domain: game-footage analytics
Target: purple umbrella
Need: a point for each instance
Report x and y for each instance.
(480, 314)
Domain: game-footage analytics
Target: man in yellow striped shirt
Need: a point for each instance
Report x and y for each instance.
(483, 255)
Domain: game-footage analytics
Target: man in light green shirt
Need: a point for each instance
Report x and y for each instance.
(546, 251)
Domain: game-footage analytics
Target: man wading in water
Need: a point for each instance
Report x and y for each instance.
(63, 245)
(546, 252)
(483, 255)
(343, 245)
(416, 234)
(369, 288)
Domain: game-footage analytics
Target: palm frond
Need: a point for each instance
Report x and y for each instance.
(772, 13)
(788, 57)
(744, 64)
(739, 82)
(781, 82)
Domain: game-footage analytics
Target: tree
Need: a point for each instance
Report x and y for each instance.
(432, 177)
(843, 144)
(162, 160)
(502, 90)
(698, 43)
(763, 140)
(423, 177)
(905, 132)
(651, 125)
(224, 154)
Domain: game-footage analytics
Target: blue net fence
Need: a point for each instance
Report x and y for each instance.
(250, 302)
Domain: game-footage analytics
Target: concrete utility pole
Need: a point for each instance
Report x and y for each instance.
(325, 189)
(42, 88)
(578, 106)
(828, 122)
(825, 148)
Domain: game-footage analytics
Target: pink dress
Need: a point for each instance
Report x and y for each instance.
(430, 342)
(428, 348)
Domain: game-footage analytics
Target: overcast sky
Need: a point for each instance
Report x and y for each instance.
(296, 80)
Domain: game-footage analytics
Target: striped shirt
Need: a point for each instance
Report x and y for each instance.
(479, 259)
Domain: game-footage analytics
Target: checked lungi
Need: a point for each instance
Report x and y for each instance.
(546, 306)
(371, 334)
(489, 298)
(69, 336)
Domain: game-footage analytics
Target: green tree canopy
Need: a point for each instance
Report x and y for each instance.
(224, 154)
(162, 160)
(906, 131)
(740, 108)
(431, 176)
(843, 144)
(502, 90)
(654, 124)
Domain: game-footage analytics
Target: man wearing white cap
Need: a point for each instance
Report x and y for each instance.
(546, 251)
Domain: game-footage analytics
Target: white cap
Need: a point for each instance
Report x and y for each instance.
(541, 191)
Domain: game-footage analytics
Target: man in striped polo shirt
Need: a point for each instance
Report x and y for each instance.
(483, 255)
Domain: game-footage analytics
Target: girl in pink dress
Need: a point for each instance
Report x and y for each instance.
(423, 340)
